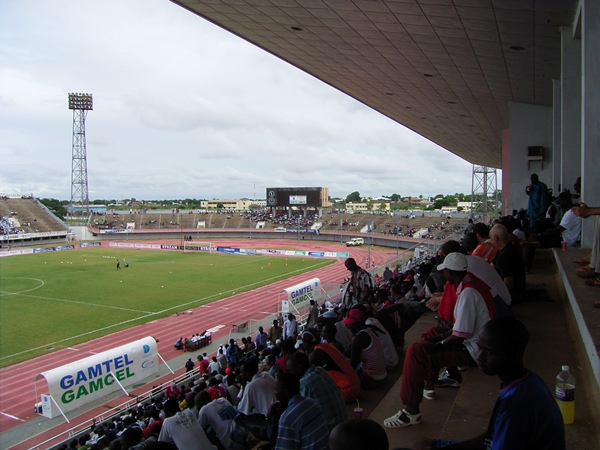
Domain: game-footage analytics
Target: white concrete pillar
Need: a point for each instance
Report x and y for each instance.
(570, 163)
(557, 114)
(590, 95)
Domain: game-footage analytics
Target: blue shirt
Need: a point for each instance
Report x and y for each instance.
(526, 416)
(302, 426)
(261, 339)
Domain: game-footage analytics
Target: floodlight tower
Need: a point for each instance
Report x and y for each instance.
(80, 104)
(484, 192)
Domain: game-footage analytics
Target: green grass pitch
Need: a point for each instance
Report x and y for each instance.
(57, 299)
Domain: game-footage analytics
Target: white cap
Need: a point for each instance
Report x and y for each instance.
(454, 261)
(565, 368)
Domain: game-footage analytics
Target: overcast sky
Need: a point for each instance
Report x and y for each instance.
(183, 109)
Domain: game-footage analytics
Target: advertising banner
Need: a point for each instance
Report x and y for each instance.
(303, 292)
(88, 379)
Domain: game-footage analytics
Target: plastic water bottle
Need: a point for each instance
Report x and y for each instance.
(565, 395)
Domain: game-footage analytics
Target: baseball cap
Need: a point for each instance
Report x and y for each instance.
(454, 261)
(354, 315)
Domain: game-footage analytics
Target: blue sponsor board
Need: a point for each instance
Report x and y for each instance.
(90, 244)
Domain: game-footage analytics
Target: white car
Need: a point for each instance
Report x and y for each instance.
(355, 242)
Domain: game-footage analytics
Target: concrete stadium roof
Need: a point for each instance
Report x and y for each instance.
(446, 69)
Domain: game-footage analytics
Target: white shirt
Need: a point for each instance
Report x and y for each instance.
(185, 431)
(290, 329)
(219, 415)
(479, 267)
(470, 315)
(572, 228)
(258, 395)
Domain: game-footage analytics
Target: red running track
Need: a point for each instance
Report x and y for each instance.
(17, 394)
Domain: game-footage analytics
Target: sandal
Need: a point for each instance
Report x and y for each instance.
(586, 272)
(402, 419)
(429, 394)
(582, 261)
(593, 281)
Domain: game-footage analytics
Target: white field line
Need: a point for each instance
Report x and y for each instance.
(148, 315)
(2, 293)
(52, 299)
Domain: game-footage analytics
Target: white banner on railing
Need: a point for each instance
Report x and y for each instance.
(88, 379)
(305, 291)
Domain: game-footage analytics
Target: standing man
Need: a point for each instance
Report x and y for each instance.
(118, 265)
(261, 338)
(538, 200)
(275, 332)
(290, 328)
(189, 365)
(313, 315)
(360, 285)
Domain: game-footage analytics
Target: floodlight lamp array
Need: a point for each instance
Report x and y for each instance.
(81, 101)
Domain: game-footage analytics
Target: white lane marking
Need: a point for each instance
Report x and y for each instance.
(11, 416)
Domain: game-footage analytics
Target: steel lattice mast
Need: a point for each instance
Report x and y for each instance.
(484, 192)
(80, 104)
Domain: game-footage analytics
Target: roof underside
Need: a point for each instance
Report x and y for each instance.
(446, 69)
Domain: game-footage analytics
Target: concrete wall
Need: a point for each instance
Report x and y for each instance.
(530, 125)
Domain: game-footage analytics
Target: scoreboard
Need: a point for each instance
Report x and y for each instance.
(298, 196)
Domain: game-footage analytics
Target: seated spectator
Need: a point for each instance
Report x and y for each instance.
(218, 414)
(259, 391)
(343, 334)
(366, 355)
(526, 415)
(339, 369)
(215, 388)
(389, 349)
(183, 429)
(568, 230)
(474, 307)
(485, 249)
(302, 424)
(315, 383)
(179, 344)
(172, 391)
(328, 335)
(508, 263)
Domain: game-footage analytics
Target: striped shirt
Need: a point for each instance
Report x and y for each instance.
(318, 385)
(485, 250)
(372, 358)
(302, 426)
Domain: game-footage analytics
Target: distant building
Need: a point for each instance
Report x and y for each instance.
(362, 207)
(242, 204)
